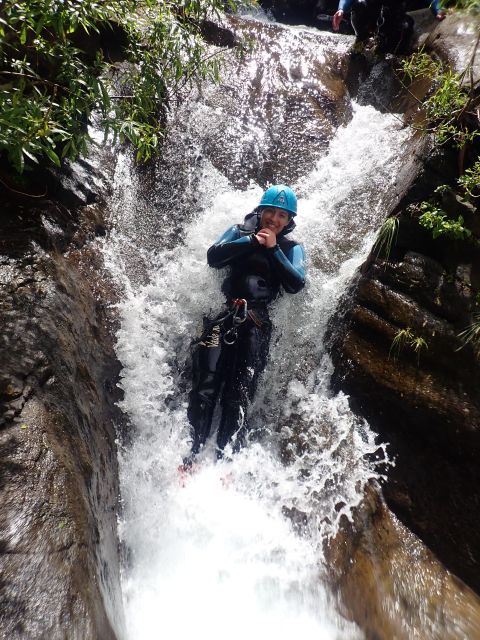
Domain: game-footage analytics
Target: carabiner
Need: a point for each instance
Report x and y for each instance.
(380, 20)
(237, 320)
(232, 331)
(239, 303)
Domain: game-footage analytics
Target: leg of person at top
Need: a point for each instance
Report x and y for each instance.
(207, 364)
(364, 15)
(394, 28)
(251, 352)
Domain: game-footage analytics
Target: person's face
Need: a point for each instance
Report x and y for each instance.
(274, 219)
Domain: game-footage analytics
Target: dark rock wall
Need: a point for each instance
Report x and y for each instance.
(423, 401)
(59, 569)
(423, 397)
(392, 585)
(58, 468)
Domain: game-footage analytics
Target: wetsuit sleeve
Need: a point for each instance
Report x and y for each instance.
(345, 5)
(229, 247)
(289, 267)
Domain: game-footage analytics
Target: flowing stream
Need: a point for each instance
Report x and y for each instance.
(236, 549)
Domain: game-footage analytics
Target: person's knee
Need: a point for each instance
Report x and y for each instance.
(200, 407)
(364, 17)
(395, 34)
(359, 7)
(205, 385)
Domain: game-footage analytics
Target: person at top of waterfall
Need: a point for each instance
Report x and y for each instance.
(386, 18)
(232, 351)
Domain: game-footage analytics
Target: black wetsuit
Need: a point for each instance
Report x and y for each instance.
(256, 274)
(386, 19)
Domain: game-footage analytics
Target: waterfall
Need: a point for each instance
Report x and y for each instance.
(237, 547)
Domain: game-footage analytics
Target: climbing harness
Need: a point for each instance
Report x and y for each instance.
(239, 314)
(255, 319)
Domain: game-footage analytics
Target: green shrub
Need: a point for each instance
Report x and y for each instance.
(451, 105)
(420, 65)
(471, 335)
(437, 221)
(470, 181)
(406, 338)
(49, 86)
(472, 6)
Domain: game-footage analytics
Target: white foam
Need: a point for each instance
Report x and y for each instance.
(218, 556)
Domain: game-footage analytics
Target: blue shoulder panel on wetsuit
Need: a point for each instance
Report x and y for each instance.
(230, 235)
(290, 267)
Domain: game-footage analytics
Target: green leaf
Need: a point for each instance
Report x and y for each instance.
(18, 159)
(40, 25)
(55, 86)
(52, 155)
(30, 155)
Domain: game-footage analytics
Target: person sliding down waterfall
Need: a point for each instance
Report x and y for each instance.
(233, 349)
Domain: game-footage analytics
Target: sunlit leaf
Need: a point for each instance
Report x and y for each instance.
(56, 85)
(52, 155)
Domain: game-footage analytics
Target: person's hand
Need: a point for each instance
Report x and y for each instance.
(337, 18)
(441, 15)
(267, 238)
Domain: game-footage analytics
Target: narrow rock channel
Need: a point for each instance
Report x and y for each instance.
(102, 284)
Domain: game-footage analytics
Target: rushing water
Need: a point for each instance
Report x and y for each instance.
(236, 548)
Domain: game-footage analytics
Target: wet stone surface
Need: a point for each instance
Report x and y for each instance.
(419, 390)
(420, 393)
(287, 77)
(411, 596)
(58, 468)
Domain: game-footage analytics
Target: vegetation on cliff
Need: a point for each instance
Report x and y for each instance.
(450, 112)
(468, 5)
(56, 68)
(450, 107)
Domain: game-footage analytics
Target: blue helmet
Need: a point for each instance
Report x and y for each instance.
(280, 196)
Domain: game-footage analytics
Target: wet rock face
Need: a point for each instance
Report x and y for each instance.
(392, 586)
(399, 355)
(286, 76)
(400, 358)
(453, 40)
(58, 468)
(300, 12)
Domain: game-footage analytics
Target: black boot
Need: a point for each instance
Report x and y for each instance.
(233, 427)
